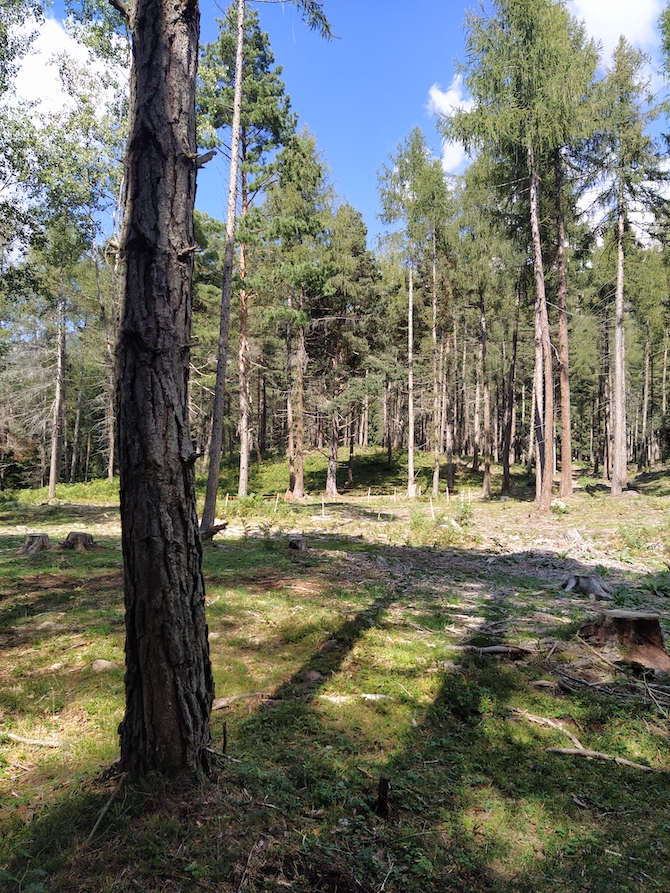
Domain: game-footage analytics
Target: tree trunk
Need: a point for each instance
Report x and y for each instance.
(664, 400)
(77, 419)
(619, 444)
(643, 447)
(331, 475)
(565, 488)
(216, 441)
(299, 485)
(245, 396)
(486, 487)
(59, 400)
(411, 483)
(509, 415)
(243, 351)
(437, 441)
(544, 496)
(476, 421)
(169, 684)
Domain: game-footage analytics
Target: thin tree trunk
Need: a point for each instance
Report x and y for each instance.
(437, 445)
(476, 422)
(216, 441)
(509, 415)
(331, 475)
(169, 684)
(77, 418)
(664, 400)
(619, 444)
(290, 445)
(59, 398)
(565, 488)
(243, 350)
(643, 447)
(544, 500)
(486, 487)
(299, 485)
(411, 483)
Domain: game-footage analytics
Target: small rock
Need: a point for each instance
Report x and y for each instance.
(102, 666)
(311, 676)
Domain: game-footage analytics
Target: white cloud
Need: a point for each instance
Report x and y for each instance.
(441, 102)
(607, 20)
(446, 102)
(38, 80)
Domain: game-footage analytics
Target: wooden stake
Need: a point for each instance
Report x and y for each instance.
(432, 510)
(276, 503)
(382, 806)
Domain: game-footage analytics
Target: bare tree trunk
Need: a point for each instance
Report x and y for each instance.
(169, 684)
(544, 500)
(290, 445)
(509, 416)
(619, 442)
(411, 483)
(243, 349)
(486, 488)
(331, 475)
(664, 400)
(77, 419)
(565, 488)
(59, 398)
(245, 397)
(299, 485)
(536, 414)
(216, 441)
(476, 422)
(643, 446)
(437, 444)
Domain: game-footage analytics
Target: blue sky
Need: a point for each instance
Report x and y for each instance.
(390, 65)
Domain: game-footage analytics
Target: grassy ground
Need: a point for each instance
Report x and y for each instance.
(341, 664)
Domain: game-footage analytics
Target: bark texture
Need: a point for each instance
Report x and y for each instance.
(169, 685)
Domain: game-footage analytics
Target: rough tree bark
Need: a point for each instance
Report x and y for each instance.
(169, 685)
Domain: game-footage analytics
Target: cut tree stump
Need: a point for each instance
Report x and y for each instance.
(34, 543)
(630, 637)
(82, 542)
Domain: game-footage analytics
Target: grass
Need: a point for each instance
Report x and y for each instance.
(354, 647)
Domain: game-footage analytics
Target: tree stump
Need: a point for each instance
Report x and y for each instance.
(634, 638)
(34, 543)
(82, 542)
(297, 542)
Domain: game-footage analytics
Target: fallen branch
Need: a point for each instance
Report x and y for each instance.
(222, 703)
(595, 754)
(550, 723)
(495, 649)
(107, 805)
(32, 741)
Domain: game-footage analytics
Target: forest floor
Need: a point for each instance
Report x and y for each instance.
(354, 660)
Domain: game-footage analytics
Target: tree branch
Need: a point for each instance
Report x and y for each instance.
(121, 8)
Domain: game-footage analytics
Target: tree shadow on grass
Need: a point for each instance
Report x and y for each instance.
(476, 804)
